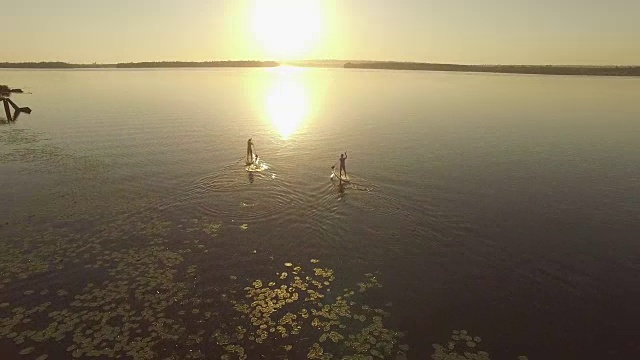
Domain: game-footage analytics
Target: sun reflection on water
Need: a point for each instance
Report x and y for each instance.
(287, 101)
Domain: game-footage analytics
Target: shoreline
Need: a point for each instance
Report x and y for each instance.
(557, 70)
(139, 65)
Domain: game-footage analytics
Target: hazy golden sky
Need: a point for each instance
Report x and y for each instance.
(478, 31)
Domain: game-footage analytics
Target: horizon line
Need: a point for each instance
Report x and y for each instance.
(285, 62)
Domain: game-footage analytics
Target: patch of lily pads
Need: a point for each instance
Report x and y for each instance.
(141, 301)
(462, 346)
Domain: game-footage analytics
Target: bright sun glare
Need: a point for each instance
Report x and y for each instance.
(287, 29)
(287, 103)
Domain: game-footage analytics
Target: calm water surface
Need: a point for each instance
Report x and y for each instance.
(504, 205)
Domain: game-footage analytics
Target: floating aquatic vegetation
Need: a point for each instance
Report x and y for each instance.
(26, 351)
(154, 228)
(17, 264)
(205, 225)
(462, 346)
(371, 283)
(235, 349)
(144, 299)
(316, 352)
(289, 306)
(102, 321)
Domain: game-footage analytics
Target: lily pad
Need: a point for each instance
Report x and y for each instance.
(26, 351)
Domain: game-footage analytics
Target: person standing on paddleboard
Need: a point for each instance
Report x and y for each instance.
(343, 159)
(249, 152)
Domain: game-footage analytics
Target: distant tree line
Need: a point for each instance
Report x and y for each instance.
(161, 64)
(175, 64)
(49, 65)
(507, 69)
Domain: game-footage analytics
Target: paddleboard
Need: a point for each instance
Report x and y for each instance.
(256, 166)
(337, 176)
(253, 168)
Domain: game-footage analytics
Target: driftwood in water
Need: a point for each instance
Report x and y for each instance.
(7, 110)
(17, 110)
(5, 90)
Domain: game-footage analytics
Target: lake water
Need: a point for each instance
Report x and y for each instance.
(503, 205)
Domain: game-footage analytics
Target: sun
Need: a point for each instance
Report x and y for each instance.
(287, 29)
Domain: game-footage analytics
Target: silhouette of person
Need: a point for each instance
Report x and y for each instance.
(249, 152)
(343, 158)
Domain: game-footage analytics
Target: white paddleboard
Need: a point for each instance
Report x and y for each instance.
(337, 176)
(253, 168)
(256, 166)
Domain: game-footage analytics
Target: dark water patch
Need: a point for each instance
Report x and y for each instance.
(372, 201)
